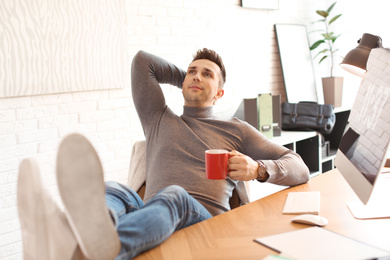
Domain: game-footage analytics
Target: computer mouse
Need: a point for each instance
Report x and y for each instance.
(310, 219)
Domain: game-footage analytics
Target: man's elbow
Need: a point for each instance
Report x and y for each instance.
(304, 174)
(138, 57)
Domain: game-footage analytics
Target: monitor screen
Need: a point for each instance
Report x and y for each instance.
(363, 148)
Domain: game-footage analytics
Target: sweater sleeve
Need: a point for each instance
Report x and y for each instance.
(284, 166)
(147, 72)
(288, 170)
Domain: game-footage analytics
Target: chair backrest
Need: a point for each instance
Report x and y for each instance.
(137, 170)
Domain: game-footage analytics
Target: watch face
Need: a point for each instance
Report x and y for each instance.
(262, 171)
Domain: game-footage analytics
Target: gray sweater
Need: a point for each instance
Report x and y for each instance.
(175, 145)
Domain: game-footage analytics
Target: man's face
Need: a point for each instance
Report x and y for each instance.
(200, 86)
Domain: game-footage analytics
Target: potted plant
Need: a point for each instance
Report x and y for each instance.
(332, 86)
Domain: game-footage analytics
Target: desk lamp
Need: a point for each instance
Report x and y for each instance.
(356, 60)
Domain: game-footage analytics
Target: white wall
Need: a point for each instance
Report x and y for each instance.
(32, 126)
(358, 17)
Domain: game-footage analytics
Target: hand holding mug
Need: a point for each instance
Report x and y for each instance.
(241, 167)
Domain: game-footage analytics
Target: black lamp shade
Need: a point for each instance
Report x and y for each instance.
(356, 60)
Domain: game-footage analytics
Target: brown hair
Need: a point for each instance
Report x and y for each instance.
(214, 57)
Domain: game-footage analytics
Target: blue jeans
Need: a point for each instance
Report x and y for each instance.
(143, 226)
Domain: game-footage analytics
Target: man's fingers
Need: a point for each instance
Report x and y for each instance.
(237, 158)
(233, 153)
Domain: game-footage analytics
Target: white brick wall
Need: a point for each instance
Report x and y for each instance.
(33, 127)
(174, 29)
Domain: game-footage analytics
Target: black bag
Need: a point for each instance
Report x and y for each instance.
(308, 116)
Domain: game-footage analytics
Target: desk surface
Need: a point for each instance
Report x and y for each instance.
(230, 235)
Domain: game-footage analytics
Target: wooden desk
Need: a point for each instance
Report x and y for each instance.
(230, 235)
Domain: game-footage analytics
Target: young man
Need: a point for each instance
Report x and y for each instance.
(111, 221)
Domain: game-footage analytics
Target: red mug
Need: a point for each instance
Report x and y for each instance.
(216, 164)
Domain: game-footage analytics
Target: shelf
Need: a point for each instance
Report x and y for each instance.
(331, 156)
(307, 143)
(288, 137)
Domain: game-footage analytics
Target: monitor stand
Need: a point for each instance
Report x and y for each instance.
(369, 211)
(378, 206)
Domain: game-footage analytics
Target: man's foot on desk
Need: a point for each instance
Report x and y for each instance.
(46, 233)
(81, 185)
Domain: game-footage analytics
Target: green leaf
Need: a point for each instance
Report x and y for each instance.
(331, 7)
(323, 58)
(322, 13)
(334, 38)
(315, 56)
(316, 44)
(321, 52)
(334, 18)
(327, 36)
(320, 21)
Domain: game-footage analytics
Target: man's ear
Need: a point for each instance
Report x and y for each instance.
(219, 94)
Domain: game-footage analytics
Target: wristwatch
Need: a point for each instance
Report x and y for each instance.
(262, 171)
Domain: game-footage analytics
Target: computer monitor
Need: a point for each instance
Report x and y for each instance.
(364, 147)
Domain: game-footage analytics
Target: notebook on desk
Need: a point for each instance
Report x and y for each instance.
(320, 244)
(307, 202)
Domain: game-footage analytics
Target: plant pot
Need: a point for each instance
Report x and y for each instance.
(333, 90)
